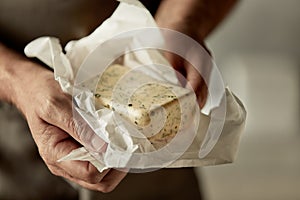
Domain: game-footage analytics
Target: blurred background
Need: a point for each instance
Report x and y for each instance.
(257, 50)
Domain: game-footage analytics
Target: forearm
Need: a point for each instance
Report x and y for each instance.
(8, 63)
(202, 15)
(16, 71)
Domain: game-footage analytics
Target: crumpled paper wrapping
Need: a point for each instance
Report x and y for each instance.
(110, 147)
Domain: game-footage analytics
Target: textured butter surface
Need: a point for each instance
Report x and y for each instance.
(150, 105)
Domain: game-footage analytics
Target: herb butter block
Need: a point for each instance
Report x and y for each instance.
(154, 107)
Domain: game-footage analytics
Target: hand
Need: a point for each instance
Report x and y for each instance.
(49, 114)
(188, 74)
(197, 19)
(183, 16)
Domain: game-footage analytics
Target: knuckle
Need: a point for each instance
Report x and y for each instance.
(47, 157)
(47, 153)
(53, 170)
(48, 110)
(46, 143)
(57, 171)
(106, 188)
(91, 176)
(45, 136)
(72, 125)
(50, 106)
(54, 106)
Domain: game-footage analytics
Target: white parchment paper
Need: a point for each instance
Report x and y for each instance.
(76, 73)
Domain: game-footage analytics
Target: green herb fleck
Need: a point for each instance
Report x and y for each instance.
(97, 95)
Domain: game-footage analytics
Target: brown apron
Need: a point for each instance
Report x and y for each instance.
(22, 21)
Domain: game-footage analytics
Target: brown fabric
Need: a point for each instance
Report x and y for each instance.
(22, 21)
(166, 184)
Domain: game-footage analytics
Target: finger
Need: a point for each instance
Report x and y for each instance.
(104, 187)
(91, 186)
(177, 62)
(107, 184)
(83, 170)
(198, 84)
(87, 136)
(188, 75)
(54, 143)
(112, 179)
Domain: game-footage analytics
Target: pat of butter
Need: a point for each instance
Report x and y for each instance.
(154, 107)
